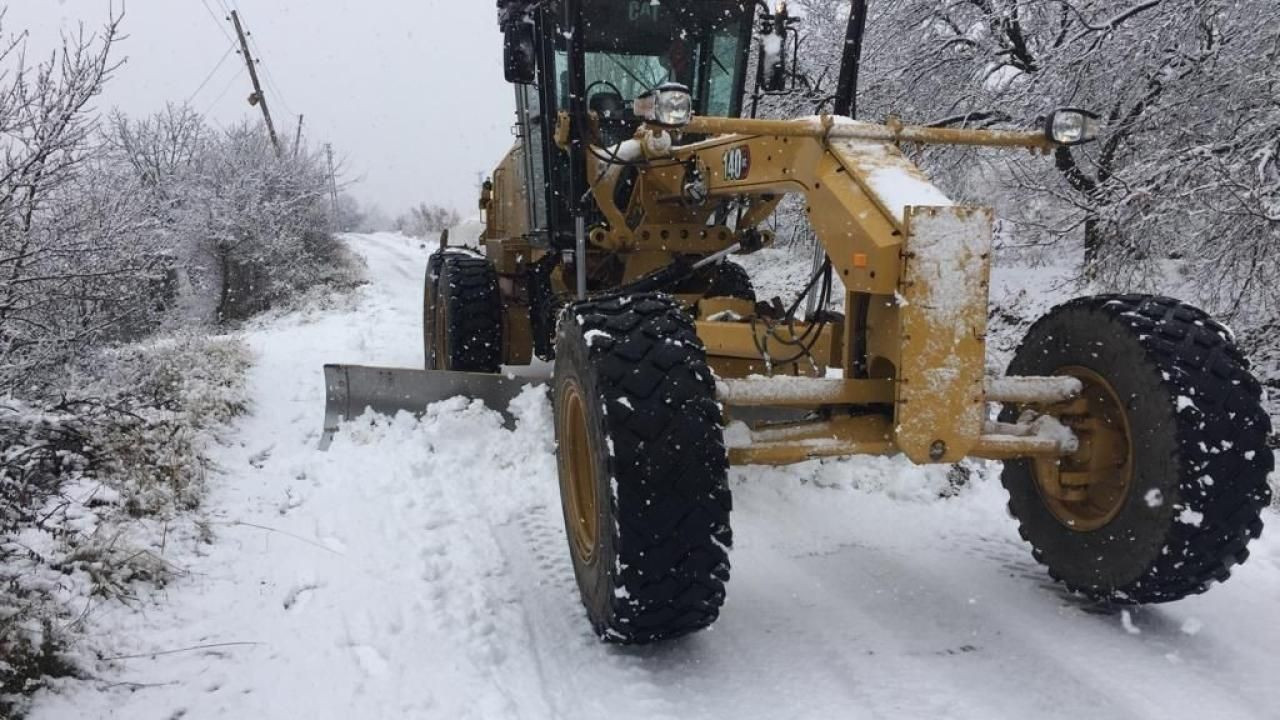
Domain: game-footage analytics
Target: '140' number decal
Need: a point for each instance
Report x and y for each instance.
(737, 163)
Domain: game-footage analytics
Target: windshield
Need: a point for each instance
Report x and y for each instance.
(634, 46)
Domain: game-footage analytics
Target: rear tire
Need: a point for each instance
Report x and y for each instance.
(723, 279)
(643, 468)
(1196, 443)
(429, 300)
(462, 314)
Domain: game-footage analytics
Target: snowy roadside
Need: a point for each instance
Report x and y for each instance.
(97, 490)
(419, 569)
(102, 491)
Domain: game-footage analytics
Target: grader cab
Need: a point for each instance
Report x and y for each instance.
(1131, 429)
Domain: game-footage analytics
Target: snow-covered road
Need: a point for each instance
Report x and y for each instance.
(419, 570)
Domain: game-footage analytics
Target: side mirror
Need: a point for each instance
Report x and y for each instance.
(772, 74)
(773, 63)
(518, 53)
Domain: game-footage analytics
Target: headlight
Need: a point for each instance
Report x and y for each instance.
(1072, 126)
(668, 105)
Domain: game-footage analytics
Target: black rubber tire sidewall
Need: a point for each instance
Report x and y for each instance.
(594, 581)
(1199, 441)
(1118, 553)
(430, 296)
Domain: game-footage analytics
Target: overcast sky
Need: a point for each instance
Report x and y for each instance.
(410, 92)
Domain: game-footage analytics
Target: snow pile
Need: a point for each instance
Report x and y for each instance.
(457, 439)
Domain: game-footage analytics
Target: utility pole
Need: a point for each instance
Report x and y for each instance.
(297, 138)
(257, 98)
(333, 179)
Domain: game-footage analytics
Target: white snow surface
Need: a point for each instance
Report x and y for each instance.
(896, 183)
(419, 570)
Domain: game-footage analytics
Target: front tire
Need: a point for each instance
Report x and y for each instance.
(1175, 454)
(643, 468)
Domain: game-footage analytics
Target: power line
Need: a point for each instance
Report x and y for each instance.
(235, 77)
(267, 74)
(261, 64)
(218, 22)
(266, 70)
(250, 47)
(209, 77)
(257, 98)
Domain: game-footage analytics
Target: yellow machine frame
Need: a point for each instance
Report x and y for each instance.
(915, 264)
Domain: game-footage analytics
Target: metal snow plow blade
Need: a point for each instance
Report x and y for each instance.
(350, 390)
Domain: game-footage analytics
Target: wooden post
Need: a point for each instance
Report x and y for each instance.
(257, 98)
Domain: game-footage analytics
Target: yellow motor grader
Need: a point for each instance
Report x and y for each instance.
(1130, 426)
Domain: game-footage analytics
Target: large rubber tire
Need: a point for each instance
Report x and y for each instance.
(723, 279)
(462, 314)
(1200, 462)
(654, 446)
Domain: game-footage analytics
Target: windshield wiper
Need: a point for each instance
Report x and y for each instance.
(647, 87)
(716, 60)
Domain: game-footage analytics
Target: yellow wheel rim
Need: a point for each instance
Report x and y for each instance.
(578, 471)
(1089, 488)
(441, 340)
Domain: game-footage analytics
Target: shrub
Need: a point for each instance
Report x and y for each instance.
(76, 477)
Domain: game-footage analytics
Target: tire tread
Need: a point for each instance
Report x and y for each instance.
(672, 502)
(1221, 434)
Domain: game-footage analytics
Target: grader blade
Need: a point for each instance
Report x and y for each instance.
(350, 390)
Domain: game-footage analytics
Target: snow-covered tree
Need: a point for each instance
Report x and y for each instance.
(60, 271)
(425, 219)
(350, 216)
(255, 226)
(1183, 179)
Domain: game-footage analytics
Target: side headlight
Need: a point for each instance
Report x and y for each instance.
(1072, 126)
(668, 105)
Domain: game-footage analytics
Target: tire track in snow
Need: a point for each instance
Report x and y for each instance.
(582, 677)
(442, 520)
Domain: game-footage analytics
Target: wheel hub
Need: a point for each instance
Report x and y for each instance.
(579, 474)
(1087, 489)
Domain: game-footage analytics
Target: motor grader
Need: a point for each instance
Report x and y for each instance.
(1130, 428)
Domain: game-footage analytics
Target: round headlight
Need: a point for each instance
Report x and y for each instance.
(1071, 126)
(669, 105)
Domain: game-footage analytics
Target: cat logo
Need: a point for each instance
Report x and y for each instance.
(737, 163)
(643, 10)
